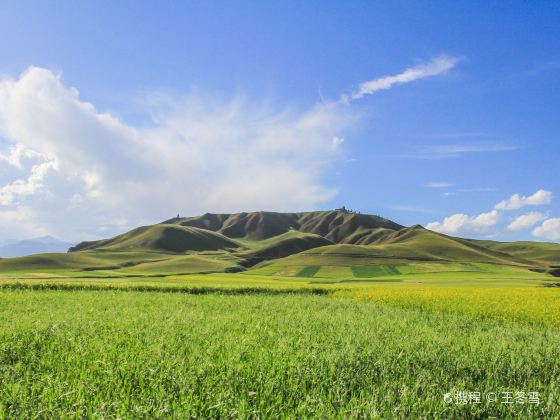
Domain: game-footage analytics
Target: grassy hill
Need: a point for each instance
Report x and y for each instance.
(283, 245)
(334, 244)
(412, 250)
(543, 252)
(164, 238)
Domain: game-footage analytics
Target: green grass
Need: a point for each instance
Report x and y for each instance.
(115, 354)
(361, 271)
(308, 271)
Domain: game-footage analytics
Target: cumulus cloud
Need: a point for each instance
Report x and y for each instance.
(516, 201)
(435, 67)
(550, 229)
(525, 221)
(77, 166)
(9, 193)
(460, 222)
(484, 223)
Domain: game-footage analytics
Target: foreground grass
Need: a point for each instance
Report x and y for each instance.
(109, 353)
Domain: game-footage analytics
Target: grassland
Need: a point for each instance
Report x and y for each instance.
(110, 354)
(247, 345)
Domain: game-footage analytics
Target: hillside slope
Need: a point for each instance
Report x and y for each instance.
(414, 245)
(163, 238)
(544, 252)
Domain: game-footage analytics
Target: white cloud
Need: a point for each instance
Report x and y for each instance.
(435, 67)
(337, 142)
(550, 229)
(438, 185)
(459, 223)
(485, 223)
(33, 184)
(525, 221)
(81, 169)
(480, 148)
(17, 154)
(516, 201)
(448, 151)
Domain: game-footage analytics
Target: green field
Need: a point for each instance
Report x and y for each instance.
(242, 345)
(114, 353)
(241, 316)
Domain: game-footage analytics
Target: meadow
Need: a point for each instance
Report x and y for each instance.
(239, 345)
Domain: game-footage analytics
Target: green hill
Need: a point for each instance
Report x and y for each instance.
(49, 261)
(543, 252)
(337, 243)
(417, 242)
(283, 245)
(408, 250)
(162, 238)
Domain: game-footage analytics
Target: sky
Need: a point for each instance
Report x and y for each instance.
(120, 114)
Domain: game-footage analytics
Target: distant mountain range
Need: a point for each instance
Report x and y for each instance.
(18, 248)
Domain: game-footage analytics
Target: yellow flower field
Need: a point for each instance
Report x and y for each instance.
(540, 305)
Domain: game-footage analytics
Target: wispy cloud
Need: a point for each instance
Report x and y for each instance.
(438, 185)
(458, 135)
(449, 151)
(439, 65)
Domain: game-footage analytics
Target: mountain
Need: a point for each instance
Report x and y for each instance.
(40, 245)
(339, 226)
(336, 243)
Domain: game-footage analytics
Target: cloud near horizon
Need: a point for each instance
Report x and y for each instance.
(486, 223)
(460, 222)
(550, 229)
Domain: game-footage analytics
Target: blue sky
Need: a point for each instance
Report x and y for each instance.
(125, 113)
